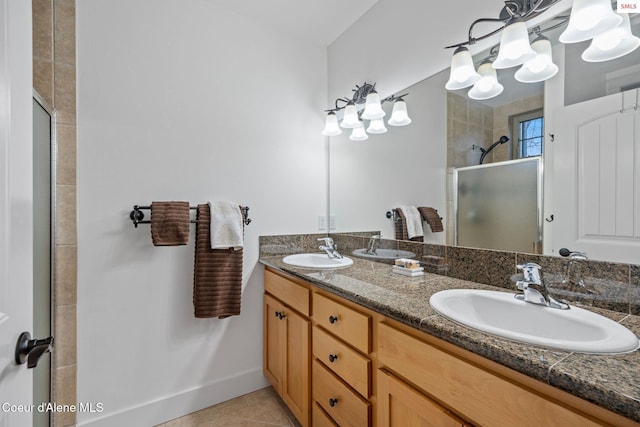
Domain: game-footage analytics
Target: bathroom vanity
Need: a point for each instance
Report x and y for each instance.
(361, 346)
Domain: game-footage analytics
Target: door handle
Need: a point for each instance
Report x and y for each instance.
(30, 351)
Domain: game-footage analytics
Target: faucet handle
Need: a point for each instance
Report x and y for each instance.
(532, 272)
(327, 241)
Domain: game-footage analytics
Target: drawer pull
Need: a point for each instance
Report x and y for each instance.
(333, 357)
(333, 319)
(333, 402)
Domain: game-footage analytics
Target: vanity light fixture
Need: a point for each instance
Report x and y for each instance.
(613, 43)
(372, 111)
(589, 19)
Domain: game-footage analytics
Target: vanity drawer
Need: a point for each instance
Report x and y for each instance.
(339, 401)
(319, 418)
(294, 295)
(347, 363)
(344, 322)
(474, 392)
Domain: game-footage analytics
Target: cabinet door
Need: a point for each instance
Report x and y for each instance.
(274, 341)
(402, 406)
(296, 385)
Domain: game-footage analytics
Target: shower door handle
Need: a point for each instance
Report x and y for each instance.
(30, 351)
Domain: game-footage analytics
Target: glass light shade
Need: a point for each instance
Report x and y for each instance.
(588, 19)
(399, 115)
(488, 86)
(358, 133)
(540, 67)
(331, 127)
(376, 126)
(463, 73)
(613, 43)
(350, 119)
(373, 110)
(514, 46)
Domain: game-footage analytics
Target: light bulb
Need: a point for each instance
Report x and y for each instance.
(331, 127)
(612, 44)
(350, 119)
(463, 73)
(488, 85)
(588, 19)
(540, 67)
(376, 126)
(514, 45)
(373, 110)
(358, 133)
(399, 115)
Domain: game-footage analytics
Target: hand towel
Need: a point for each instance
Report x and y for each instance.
(170, 223)
(226, 225)
(433, 219)
(217, 276)
(413, 221)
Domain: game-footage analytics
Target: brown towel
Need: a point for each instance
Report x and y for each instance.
(170, 223)
(433, 219)
(401, 228)
(217, 276)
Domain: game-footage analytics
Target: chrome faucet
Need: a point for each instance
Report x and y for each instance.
(533, 288)
(329, 248)
(372, 247)
(573, 276)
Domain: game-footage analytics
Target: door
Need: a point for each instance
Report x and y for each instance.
(402, 406)
(16, 227)
(295, 389)
(273, 342)
(596, 178)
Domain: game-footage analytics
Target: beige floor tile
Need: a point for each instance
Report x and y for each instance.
(260, 408)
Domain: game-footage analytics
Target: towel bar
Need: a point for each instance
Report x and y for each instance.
(137, 216)
(393, 214)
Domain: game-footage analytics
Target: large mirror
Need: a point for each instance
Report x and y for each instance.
(415, 165)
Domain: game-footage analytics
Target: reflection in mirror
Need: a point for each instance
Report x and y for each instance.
(414, 165)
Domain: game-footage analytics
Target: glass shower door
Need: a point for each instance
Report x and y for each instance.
(499, 206)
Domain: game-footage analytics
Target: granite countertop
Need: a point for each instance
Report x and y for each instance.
(610, 381)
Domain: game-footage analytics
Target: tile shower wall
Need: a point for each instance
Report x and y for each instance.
(612, 286)
(54, 68)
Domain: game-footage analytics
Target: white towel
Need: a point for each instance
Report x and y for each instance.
(414, 221)
(226, 225)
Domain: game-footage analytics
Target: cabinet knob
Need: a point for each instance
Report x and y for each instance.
(280, 315)
(333, 402)
(333, 319)
(333, 357)
(277, 314)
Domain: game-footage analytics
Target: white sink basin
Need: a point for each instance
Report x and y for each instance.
(316, 261)
(499, 313)
(384, 254)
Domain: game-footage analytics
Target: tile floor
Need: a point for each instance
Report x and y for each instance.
(258, 409)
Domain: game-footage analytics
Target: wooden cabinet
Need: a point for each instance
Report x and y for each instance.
(335, 362)
(473, 392)
(287, 353)
(400, 405)
(343, 405)
(341, 377)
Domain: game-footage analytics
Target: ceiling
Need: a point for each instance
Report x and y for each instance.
(320, 22)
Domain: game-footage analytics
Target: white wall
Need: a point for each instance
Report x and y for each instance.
(182, 100)
(398, 43)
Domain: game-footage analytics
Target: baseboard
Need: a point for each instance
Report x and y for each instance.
(178, 405)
